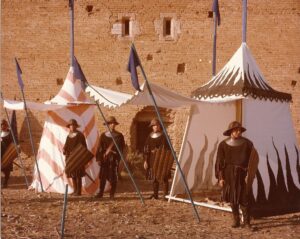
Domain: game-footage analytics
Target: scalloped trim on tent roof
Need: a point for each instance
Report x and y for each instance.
(240, 77)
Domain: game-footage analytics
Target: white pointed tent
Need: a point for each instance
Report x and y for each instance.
(69, 103)
(240, 92)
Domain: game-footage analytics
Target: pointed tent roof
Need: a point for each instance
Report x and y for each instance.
(240, 77)
(50, 155)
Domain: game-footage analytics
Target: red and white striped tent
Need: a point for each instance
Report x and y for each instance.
(70, 103)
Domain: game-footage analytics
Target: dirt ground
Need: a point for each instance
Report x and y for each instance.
(27, 214)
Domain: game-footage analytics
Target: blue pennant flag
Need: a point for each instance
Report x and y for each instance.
(133, 63)
(19, 75)
(215, 9)
(71, 4)
(78, 73)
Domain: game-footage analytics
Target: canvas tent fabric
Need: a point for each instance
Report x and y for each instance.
(241, 76)
(197, 157)
(164, 97)
(267, 118)
(108, 98)
(69, 103)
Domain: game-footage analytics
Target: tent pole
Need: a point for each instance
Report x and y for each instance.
(181, 149)
(167, 136)
(214, 45)
(31, 141)
(244, 21)
(118, 149)
(62, 230)
(239, 110)
(71, 5)
(17, 148)
(227, 209)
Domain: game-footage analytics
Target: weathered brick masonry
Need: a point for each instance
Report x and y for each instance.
(37, 33)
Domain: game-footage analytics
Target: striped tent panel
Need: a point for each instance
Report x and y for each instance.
(51, 160)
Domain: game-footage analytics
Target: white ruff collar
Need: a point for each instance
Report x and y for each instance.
(4, 133)
(155, 135)
(73, 134)
(108, 134)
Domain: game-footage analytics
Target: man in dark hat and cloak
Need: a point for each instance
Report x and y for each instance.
(6, 140)
(74, 138)
(109, 158)
(154, 142)
(231, 170)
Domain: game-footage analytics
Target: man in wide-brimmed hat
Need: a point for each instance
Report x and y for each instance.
(111, 120)
(108, 156)
(154, 142)
(74, 138)
(232, 169)
(6, 140)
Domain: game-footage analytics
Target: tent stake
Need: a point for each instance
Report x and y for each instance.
(64, 213)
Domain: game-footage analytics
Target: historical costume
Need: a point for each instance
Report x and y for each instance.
(109, 158)
(74, 138)
(231, 170)
(6, 140)
(155, 141)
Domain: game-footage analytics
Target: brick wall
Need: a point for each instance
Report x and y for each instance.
(37, 33)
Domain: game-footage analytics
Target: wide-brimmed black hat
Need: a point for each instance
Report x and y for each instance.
(111, 120)
(153, 122)
(234, 125)
(73, 122)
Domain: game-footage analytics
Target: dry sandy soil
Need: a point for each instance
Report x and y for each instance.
(27, 214)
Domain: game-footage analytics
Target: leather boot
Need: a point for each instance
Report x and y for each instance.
(235, 216)
(102, 187)
(246, 217)
(74, 186)
(166, 189)
(113, 190)
(79, 186)
(155, 189)
(6, 177)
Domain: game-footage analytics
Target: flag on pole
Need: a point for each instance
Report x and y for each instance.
(133, 63)
(19, 74)
(13, 125)
(215, 9)
(71, 3)
(78, 73)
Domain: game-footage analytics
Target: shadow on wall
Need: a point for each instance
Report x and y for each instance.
(36, 132)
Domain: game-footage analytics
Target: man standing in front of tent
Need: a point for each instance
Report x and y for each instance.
(74, 138)
(109, 158)
(6, 140)
(231, 167)
(155, 141)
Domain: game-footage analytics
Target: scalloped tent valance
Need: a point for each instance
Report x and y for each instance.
(240, 77)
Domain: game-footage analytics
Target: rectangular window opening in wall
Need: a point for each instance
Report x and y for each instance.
(167, 27)
(126, 27)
